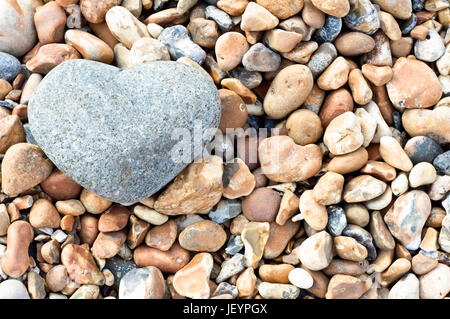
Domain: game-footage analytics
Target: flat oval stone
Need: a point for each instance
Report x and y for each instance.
(10, 67)
(96, 136)
(206, 236)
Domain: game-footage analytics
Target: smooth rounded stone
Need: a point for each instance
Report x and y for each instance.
(406, 288)
(304, 127)
(400, 9)
(288, 207)
(250, 79)
(288, 90)
(422, 174)
(284, 161)
(316, 252)
(279, 237)
(349, 249)
(346, 267)
(312, 16)
(43, 214)
(90, 47)
(381, 54)
(230, 48)
(107, 245)
(282, 9)
(93, 203)
(335, 75)
(436, 283)
(430, 49)
(246, 283)
(254, 236)
(422, 149)
(337, 220)
(404, 90)
(329, 31)
(142, 283)
(339, 8)
(363, 188)
(362, 17)
(81, 265)
(368, 125)
(357, 214)
(60, 187)
(149, 215)
(278, 273)
(301, 278)
(192, 280)
(261, 205)
(442, 163)
(51, 251)
(278, 291)
(363, 237)
(179, 44)
(205, 236)
(281, 40)
(380, 233)
(390, 26)
(407, 217)
(51, 55)
(439, 188)
(443, 239)
(13, 289)
(354, 43)
(257, 18)
(343, 134)
(93, 72)
(322, 58)
(402, 47)
(382, 127)
(10, 67)
(12, 132)
(57, 278)
(234, 110)
(336, 103)
(260, 58)
(17, 22)
(114, 219)
(5, 88)
(348, 163)
(346, 287)
(430, 123)
(36, 285)
(361, 91)
(301, 53)
(50, 20)
(232, 7)
(86, 292)
(147, 50)
(231, 267)
(393, 154)
(328, 189)
(169, 261)
(222, 19)
(381, 201)
(378, 75)
(239, 88)
(314, 214)
(23, 167)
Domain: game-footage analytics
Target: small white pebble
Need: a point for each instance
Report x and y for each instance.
(59, 235)
(154, 30)
(46, 230)
(301, 278)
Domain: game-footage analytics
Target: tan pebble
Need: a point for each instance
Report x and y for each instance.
(335, 76)
(67, 223)
(381, 54)
(346, 287)
(5, 88)
(346, 267)
(357, 214)
(50, 20)
(419, 32)
(233, 7)
(288, 90)
(389, 26)
(380, 170)
(314, 214)
(51, 55)
(192, 280)
(238, 224)
(89, 229)
(204, 32)
(402, 47)
(279, 238)
(137, 231)
(254, 236)
(337, 8)
(147, 50)
(400, 184)
(343, 134)
(382, 262)
(400, 9)
(203, 236)
(304, 127)
(240, 89)
(234, 111)
(422, 174)
(393, 154)
(284, 161)
(361, 92)
(57, 278)
(382, 128)
(432, 123)
(257, 18)
(363, 188)
(60, 187)
(380, 233)
(166, 17)
(94, 203)
(381, 201)
(114, 219)
(163, 236)
(107, 245)
(354, 43)
(435, 284)
(169, 261)
(149, 215)
(246, 283)
(275, 273)
(422, 264)
(430, 240)
(288, 207)
(350, 162)
(51, 251)
(238, 181)
(70, 207)
(281, 40)
(198, 187)
(328, 189)
(312, 16)
(439, 188)
(44, 214)
(102, 31)
(95, 10)
(436, 217)
(282, 9)
(395, 271)
(11, 132)
(302, 52)
(368, 125)
(316, 252)
(230, 49)
(348, 248)
(378, 75)
(90, 47)
(320, 282)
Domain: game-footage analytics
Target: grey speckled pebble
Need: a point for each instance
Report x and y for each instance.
(222, 18)
(250, 79)
(336, 220)
(225, 210)
(329, 31)
(260, 58)
(322, 58)
(231, 267)
(10, 67)
(180, 44)
(110, 129)
(442, 163)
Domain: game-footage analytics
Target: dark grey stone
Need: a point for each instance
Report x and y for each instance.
(363, 237)
(222, 18)
(418, 5)
(422, 149)
(329, 31)
(119, 268)
(28, 135)
(10, 67)
(262, 59)
(225, 210)
(407, 25)
(225, 288)
(363, 17)
(110, 129)
(322, 58)
(251, 79)
(442, 163)
(180, 44)
(336, 220)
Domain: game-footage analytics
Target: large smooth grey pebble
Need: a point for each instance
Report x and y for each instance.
(10, 67)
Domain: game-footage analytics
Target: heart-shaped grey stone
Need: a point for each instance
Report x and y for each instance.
(111, 130)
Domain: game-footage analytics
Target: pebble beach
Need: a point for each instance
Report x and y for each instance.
(224, 149)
